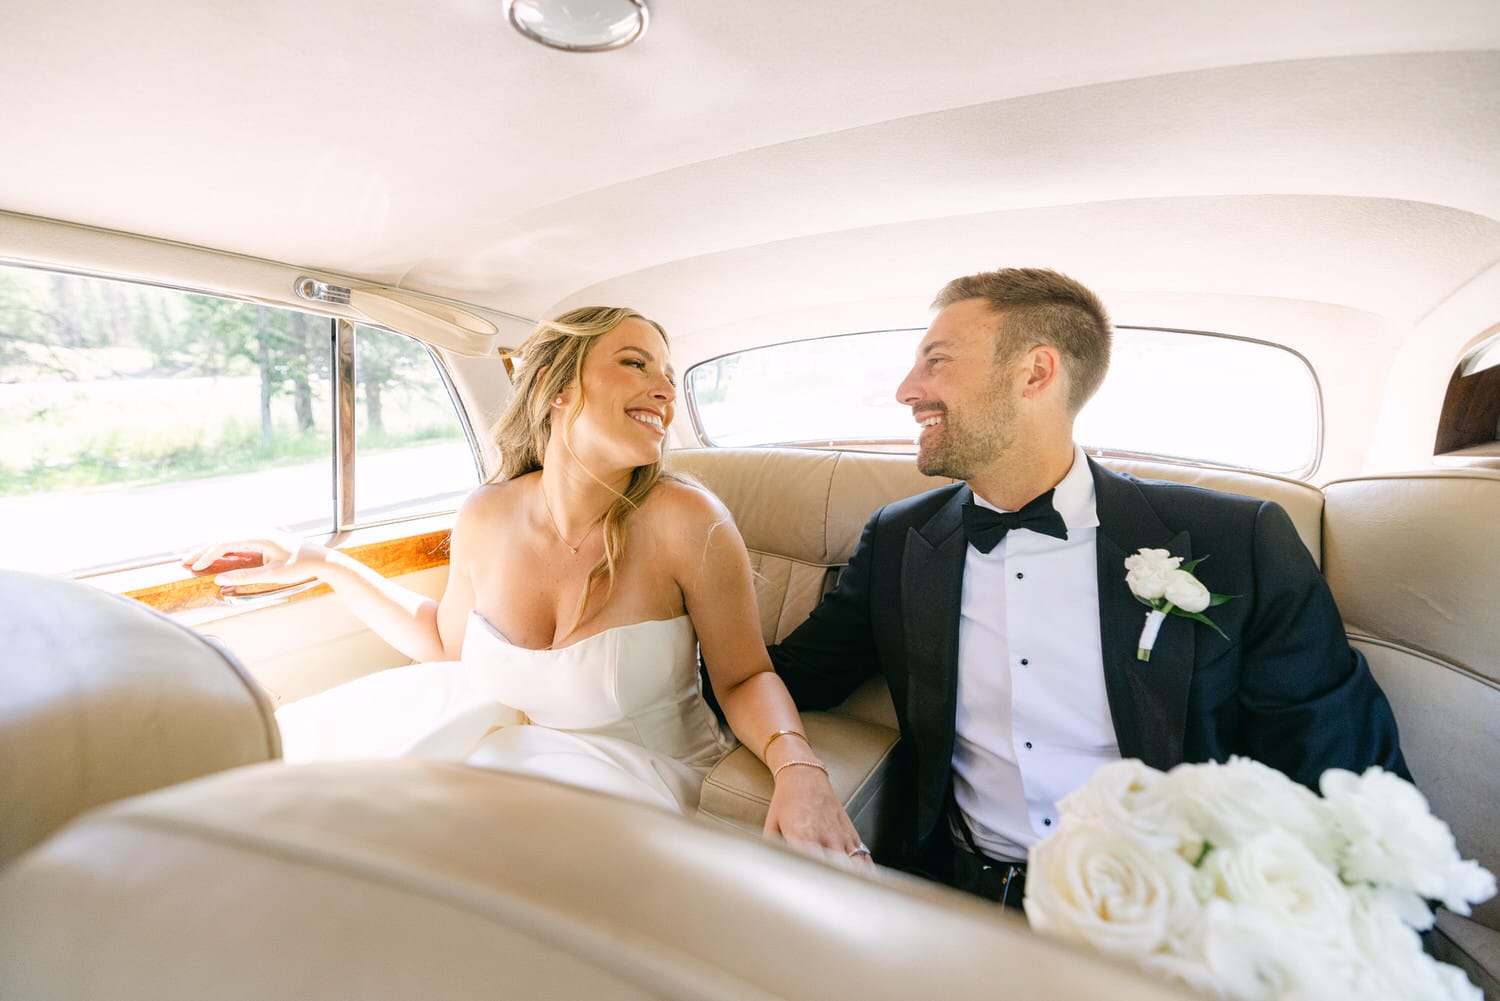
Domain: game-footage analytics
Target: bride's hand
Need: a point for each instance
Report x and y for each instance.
(804, 810)
(266, 560)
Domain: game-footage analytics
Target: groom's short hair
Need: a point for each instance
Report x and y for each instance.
(1042, 306)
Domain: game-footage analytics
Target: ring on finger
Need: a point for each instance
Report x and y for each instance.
(861, 850)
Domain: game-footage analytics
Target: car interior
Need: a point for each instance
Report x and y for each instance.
(266, 265)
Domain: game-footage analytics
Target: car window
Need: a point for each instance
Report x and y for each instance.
(1207, 398)
(136, 422)
(830, 390)
(412, 456)
(1179, 394)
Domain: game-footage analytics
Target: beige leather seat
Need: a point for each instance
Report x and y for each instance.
(407, 879)
(1414, 563)
(102, 698)
(399, 879)
(801, 512)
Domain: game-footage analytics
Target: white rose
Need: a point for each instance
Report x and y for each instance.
(1456, 982)
(1186, 591)
(1391, 960)
(1228, 804)
(1394, 841)
(1088, 884)
(1128, 797)
(1148, 570)
(1244, 955)
(1275, 874)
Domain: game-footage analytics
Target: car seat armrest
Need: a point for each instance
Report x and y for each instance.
(737, 791)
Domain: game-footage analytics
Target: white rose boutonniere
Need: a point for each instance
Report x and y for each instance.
(1164, 584)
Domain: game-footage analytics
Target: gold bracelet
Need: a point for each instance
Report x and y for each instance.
(798, 761)
(781, 733)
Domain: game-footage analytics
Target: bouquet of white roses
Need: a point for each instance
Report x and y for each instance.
(1239, 882)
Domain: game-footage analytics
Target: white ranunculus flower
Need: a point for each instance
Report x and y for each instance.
(1242, 954)
(1148, 571)
(1127, 797)
(1395, 841)
(1275, 874)
(1186, 591)
(1392, 962)
(1088, 884)
(1230, 803)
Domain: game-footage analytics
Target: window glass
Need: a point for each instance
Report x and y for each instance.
(1201, 397)
(137, 421)
(1207, 398)
(833, 389)
(411, 454)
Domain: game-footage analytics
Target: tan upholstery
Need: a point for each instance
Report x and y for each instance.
(102, 698)
(1427, 582)
(1418, 593)
(1414, 563)
(737, 792)
(405, 879)
(1303, 503)
(801, 513)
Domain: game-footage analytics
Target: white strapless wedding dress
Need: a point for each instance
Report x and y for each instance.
(620, 712)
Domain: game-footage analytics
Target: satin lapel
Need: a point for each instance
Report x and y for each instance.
(1147, 699)
(932, 574)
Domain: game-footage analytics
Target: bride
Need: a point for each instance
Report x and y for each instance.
(583, 579)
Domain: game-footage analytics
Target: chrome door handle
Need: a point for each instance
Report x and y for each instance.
(259, 596)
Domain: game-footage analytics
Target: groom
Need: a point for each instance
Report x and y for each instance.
(1010, 640)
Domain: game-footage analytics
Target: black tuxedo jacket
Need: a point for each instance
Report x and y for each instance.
(1285, 688)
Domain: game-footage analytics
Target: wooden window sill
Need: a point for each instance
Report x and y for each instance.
(392, 550)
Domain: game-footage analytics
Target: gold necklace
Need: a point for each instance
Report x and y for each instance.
(558, 532)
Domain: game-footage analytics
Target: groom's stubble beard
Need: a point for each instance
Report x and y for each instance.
(971, 440)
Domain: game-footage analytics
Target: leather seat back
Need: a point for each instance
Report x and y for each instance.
(102, 698)
(1414, 563)
(404, 879)
(801, 511)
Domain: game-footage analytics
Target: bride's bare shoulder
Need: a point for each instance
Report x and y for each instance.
(686, 502)
(491, 505)
(686, 516)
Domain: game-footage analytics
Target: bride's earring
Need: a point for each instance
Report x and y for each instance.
(557, 400)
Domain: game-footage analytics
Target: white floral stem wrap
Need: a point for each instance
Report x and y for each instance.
(1166, 585)
(1154, 619)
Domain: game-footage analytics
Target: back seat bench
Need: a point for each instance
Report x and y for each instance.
(801, 513)
(1413, 561)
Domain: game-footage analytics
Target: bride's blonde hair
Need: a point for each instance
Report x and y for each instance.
(552, 358)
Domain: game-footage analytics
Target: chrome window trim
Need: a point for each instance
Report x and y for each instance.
(344, 442)
(470, 435)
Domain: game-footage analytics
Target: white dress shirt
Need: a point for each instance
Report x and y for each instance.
(1033, 715)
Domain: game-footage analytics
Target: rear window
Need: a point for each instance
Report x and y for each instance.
(1176, 394)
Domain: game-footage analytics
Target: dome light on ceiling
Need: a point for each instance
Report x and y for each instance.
(579, 25)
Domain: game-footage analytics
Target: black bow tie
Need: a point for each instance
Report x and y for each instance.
(985, 527)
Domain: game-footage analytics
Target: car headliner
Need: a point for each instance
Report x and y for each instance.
(756, 171)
